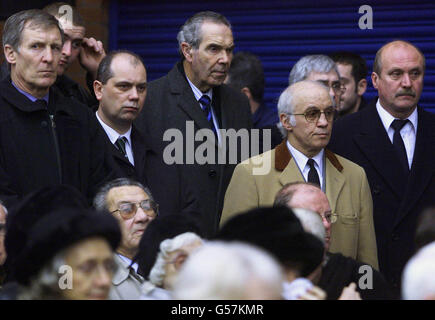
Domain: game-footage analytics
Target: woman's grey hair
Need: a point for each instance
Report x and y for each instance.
(14, 25)
(157, 273)
(100, 199)
(226, 270)
(418, 281)
(313, 63)
(311, 222)
(190, 32)
(45, 285)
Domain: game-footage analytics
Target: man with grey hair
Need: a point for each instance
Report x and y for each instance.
(318, 68)
(306, 113)
(45, 138)
(193, 97)
(133, 206)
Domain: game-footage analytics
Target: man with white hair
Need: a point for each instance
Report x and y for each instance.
(418, 281)
(229, 271)
(306, 113)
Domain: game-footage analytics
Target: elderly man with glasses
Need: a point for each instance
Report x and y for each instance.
(133, 206)
(306, 112)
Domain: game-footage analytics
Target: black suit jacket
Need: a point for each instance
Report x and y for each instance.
(169, 104)
(397, 201)
(123, 167)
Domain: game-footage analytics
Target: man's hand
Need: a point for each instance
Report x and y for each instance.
(315, 293)
(350, 293)
(91, 54)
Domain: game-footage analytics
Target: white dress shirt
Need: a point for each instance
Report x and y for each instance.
(113, 136)
(198, 94)
(301, 161)
(408, 132)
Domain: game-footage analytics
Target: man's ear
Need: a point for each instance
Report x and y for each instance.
(361, 87)
(186, 49)
(285, 121)
(98, 90)
(10, 54)
(247, 92)
(375, 79)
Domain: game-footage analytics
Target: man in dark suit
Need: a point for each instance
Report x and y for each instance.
(45, 138)
(393, 140)
(121, 89)
(190, 98)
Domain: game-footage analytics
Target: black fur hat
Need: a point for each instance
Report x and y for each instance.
(58, 230)
(29, 210)
(278, 231)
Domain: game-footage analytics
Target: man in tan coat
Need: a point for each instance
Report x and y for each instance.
(306, 112)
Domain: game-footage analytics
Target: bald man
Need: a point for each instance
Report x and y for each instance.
(394, 141)
(306, 112)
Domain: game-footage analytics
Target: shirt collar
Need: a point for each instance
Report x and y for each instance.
(128, 261)
(387, 119)
(198, 94)
(302, 159)
(112, 133)
(28, 95)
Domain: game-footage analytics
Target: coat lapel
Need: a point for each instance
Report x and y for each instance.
(374, 143)
(186, 98)
(422, 169)
(290, 172)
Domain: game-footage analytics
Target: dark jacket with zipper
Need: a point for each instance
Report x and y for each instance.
(38, 150)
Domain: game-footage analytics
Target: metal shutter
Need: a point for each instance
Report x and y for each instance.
(279, 32)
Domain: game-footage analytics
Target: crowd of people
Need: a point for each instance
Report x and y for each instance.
(128, 190)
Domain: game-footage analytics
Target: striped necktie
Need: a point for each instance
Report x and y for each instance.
(205, 103)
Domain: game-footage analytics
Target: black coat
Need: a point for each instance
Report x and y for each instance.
(340, 271)
(35, 152)
(169, 104)
(361, 137)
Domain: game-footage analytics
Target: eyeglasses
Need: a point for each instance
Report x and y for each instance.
(128, 209)
(336, 86)
(313, 114)
(329, 217)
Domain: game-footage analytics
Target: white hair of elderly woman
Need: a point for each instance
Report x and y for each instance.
(229, 271)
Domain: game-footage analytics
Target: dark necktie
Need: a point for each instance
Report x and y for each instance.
(43, 104)
(313, 176)
(398, 143)
(205, 104)
(120, 144)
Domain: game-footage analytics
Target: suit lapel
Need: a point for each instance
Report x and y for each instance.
(374, 143)
(139, 150)
(422, 169)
